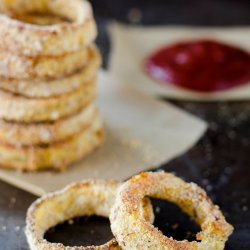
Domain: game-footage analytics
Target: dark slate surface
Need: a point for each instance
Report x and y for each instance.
(219, 162)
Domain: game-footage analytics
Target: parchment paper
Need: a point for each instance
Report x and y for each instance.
(131, 45)
(141, 133)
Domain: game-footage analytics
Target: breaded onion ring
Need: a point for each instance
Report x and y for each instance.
(31, 134)
(134, 233)
(53, 156)
(93, 197)
(43, 67)
(37, 88)
(19, 108)
(39, 19)
(50, 40)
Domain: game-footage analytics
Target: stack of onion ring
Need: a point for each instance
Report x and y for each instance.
(48, 71)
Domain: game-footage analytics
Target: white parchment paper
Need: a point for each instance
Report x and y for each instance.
(131, 45)
(141, 133)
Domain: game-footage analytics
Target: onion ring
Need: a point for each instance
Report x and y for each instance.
(50, 40)
(31, 134)
(53, 156)
(37, 88)
(133, 232)
(43, 67)
(22, 109)
(93, 197)
(39, 19)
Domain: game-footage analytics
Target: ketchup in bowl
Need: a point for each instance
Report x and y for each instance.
(202, 65)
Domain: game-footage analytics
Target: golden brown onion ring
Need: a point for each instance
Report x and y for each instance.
(93, 197)
(49, 40)
(22, 67)
(38, 88)
(31, 134)
(53, 156)
(134, 233)
(23, 109)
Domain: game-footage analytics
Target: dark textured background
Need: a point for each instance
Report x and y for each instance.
(219, 162)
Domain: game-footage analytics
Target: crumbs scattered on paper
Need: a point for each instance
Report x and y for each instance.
(148, 152)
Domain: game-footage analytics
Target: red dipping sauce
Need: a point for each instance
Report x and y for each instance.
(203, 65)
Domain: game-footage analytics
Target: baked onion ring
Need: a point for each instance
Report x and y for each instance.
(22, 109)
(31, 134)
(134, 233)
(53, 156)
(43, 67)
(49, 40)
(37, 88)
(93, 197)
(39, 19)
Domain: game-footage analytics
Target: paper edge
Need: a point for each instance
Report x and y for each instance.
(19, 183)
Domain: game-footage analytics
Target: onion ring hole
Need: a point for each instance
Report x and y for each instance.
(81, 231)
